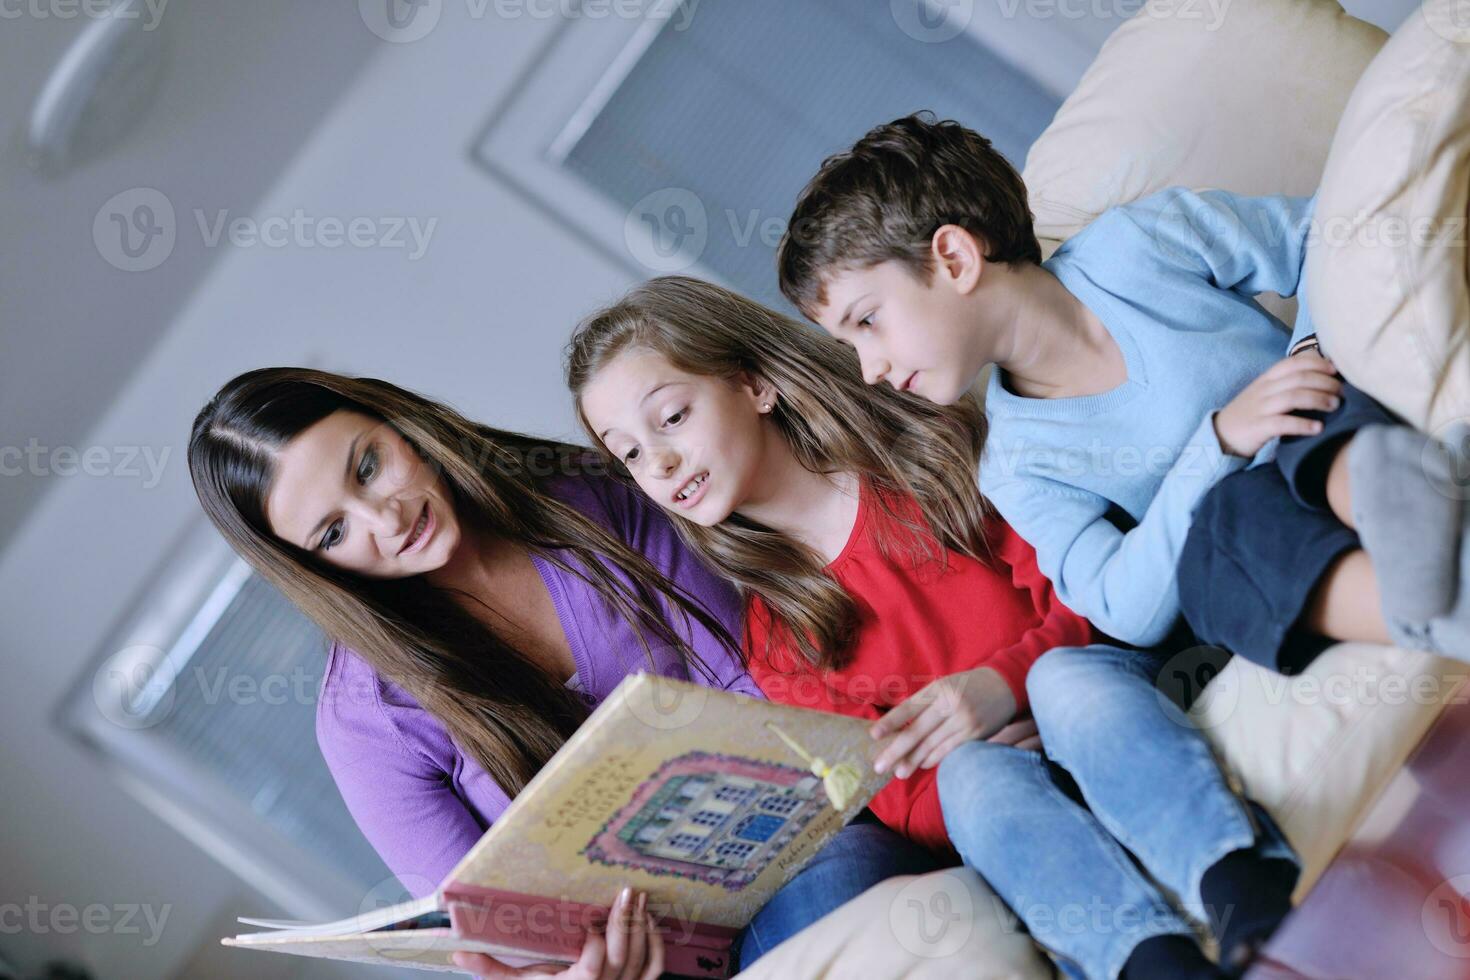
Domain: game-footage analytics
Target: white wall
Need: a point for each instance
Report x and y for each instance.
(241, 87)
(479, 321)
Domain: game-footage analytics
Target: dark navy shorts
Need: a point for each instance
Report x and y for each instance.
(1263, 538)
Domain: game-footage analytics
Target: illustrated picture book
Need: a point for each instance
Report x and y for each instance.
(706, 800)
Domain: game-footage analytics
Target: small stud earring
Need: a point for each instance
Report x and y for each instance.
(765, 406)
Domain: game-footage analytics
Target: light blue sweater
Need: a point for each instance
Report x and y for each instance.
(1172, 277)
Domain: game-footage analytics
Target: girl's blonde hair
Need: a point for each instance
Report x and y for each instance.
(902, 445)
(498, 704)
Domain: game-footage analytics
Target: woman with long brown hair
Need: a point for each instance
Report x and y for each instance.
(483, 590)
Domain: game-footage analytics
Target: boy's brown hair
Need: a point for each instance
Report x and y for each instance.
(884, 199)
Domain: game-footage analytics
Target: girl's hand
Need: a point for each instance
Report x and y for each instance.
(1021, 733)
(944, 714)
(1263, 409)
(633, 949)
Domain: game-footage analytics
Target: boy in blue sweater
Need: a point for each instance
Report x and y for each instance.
(1134, 372)
(1135, 378)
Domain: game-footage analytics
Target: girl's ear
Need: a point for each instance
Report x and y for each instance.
(762, 394)
(959, 258)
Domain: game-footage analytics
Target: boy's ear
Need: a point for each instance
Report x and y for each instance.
(958, 257)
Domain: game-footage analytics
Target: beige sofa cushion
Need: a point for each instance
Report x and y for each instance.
(939, 925)
(1318, 748)
(1387, 278)
(1246, 99)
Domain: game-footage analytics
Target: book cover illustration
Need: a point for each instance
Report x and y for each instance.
(567, 835)
(710, 817)
(706, 799)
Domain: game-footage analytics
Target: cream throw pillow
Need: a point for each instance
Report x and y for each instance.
(1387, 276)
(927, 927)
(1246, 99)
(1239, 94)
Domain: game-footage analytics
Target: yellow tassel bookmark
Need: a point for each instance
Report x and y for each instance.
(841, 781)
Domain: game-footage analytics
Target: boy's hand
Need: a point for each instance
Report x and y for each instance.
(944, 714)
(1262, 411)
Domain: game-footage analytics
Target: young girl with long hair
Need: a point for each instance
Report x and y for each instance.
(483, 591)
(877, 582)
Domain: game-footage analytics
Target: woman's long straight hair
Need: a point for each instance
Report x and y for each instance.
(498, 705)
(904, 446)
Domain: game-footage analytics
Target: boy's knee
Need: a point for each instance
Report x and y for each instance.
(988, 793)
(1052, 674)
(981, 773)
(963, 769)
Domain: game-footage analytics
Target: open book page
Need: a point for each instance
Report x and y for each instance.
(405, 915)
(425, 949)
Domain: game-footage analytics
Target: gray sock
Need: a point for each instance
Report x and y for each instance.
(1449, 635)
(1410, 518)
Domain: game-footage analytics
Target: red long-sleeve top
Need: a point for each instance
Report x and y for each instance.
(917, 621)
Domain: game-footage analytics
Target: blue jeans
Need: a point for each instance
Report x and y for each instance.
(1128, 797)
(862, 854)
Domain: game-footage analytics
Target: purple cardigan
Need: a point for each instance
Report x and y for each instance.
(419, 800)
